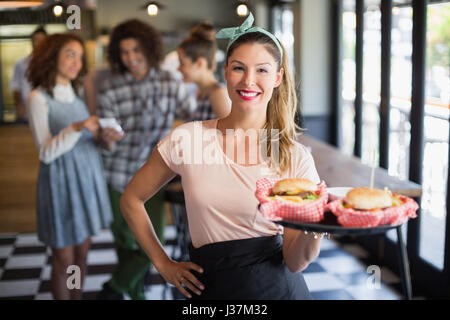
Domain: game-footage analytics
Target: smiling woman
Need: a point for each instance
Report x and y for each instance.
(236, 252)
(72, 199)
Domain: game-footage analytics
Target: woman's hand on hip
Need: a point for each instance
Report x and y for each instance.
(179, 274)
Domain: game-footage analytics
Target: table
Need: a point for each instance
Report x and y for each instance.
(340, 170)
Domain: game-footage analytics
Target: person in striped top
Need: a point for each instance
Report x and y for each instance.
(197, 55)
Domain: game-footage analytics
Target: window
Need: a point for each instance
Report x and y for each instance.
(283, 29)
(427, 246)
(371, 82)
(348, 76)
(436, 126)
(401, 71)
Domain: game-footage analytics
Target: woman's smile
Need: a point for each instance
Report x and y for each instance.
(248, 95)
(251, 75)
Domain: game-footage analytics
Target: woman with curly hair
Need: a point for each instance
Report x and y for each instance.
(72, 198)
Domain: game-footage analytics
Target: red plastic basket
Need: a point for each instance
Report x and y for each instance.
(348, 217)
(308, 212)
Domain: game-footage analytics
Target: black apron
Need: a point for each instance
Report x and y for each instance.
(248, 269)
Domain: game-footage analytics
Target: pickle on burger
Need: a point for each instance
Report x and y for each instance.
(294, 190)
(370, 199)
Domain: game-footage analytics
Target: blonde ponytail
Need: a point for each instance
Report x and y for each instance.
(280, 115)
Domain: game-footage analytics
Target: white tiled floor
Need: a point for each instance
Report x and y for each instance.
(322, 281)
(27, 240)
(328, 244)
(26, 261)
(19, 287)
(46, 272)
(95, 282)
(102, 256)
(103, 236)
(5, 251)
(364, 292)
(340, 265)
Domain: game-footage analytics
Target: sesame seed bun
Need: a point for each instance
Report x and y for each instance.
(293, 186)
(368, 198)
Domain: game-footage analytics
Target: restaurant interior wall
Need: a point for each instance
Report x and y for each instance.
(178, 16)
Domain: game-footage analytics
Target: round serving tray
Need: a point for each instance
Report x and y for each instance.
(330, 225)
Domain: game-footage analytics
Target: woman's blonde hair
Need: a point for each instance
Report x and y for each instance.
(282, 107)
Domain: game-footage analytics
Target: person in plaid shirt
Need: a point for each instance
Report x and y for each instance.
(236, 252)
(145, 100)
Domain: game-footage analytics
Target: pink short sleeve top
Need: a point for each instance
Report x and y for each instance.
(219, 193)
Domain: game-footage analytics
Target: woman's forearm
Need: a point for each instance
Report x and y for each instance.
(136, 216)
(301, 251)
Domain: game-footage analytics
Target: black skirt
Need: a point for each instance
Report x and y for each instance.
(248, 269)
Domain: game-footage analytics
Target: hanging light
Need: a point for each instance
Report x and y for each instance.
(242, 10)
(58, 10)
(20, 3)
(153, 8)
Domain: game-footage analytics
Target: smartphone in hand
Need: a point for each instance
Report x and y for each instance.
(110, 123)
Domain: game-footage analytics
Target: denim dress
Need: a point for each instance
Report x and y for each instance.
(72, 196)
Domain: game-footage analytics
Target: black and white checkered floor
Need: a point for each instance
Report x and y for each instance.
(339, 273)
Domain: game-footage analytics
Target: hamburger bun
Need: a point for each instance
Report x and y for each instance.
(368, 198)
(293, 186)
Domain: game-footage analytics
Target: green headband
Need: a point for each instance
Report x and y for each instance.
(234, 33)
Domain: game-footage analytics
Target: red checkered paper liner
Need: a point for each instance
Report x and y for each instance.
(349, 217)
(308, 212)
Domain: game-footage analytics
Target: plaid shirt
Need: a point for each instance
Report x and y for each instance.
(146, 110)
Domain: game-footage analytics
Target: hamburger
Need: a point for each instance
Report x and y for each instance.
(294, 190)
(370, 199)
